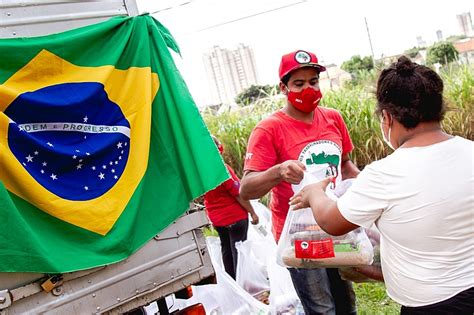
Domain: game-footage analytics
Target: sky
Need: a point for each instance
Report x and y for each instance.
(334, 30)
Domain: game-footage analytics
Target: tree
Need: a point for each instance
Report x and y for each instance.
(412, 52)
(442, 52)
(357, 64)
(252, 94)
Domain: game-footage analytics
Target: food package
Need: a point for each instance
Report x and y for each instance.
(361, 274)
(307, 246)
(303, 244)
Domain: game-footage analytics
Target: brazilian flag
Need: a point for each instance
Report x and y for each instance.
(101, 145)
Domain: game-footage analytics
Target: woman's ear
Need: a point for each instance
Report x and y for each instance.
(386, 117)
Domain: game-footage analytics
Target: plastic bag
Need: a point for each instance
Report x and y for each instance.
(303, 244)
(264, 227)
(252, 271)
(360, 274)
(232, 299)
(283, 298)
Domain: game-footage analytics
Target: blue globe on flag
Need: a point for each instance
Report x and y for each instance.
(71, 138)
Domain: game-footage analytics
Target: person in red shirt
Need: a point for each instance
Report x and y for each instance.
(301, 136)
(228, 214)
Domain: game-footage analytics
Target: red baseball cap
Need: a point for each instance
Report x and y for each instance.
(298, 59)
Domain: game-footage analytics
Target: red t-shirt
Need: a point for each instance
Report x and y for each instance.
(319, 145)
(222, 207)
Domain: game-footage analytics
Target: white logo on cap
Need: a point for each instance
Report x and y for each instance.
(304, 245)
(302, 57)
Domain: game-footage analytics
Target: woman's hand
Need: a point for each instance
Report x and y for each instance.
(302, 198)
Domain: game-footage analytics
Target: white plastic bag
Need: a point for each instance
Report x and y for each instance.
(264, 226)
(232, 298)
(251, 272)
(283, 298)
(303, 244)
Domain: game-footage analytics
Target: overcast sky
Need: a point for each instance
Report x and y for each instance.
(333, 29)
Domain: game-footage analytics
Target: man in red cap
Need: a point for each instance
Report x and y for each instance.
(284, 145)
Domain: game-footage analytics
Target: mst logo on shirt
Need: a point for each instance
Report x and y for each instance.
(322, 158)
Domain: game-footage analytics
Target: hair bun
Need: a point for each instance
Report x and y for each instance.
(405, 67)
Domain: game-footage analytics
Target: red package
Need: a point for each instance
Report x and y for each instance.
(314, 248)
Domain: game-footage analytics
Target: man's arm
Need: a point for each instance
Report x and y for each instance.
(256, 184)
(348, 169)
(248, 206)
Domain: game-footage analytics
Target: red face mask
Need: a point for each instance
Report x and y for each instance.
(306, 100)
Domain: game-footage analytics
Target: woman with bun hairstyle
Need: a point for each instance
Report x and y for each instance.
(420, 197)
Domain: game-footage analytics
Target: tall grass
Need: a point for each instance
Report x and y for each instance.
(356, 103)
(459, 95)
(233, 128)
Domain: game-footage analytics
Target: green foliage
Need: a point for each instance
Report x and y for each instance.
(356, 102)
(442, 52)
(233, 128)
(356, 64)
(254, 93)
(459, 97)
(373, 300)
(412, 52)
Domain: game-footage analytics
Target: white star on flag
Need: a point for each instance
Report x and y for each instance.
(50, 144)
(85, 119)
(53, 176)
(79, 166)
(86, 188)
(101, 176)
(36, 152)
(74, 157)
(42, 171)
(119, 145)
(44, 163)
(29, 158)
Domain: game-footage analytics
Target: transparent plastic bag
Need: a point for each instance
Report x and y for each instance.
(232, 299)
(303, 244)
(252, 273)
(375, 269)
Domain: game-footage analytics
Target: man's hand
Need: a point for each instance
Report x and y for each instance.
(254, 217)
(292, 171)
(302, 198)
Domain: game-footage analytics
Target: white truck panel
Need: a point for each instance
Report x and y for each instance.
(29, 18)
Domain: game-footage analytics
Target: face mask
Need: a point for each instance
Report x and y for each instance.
(386, 139)
(306, 100)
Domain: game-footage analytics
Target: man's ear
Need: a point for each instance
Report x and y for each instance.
(283, 88)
